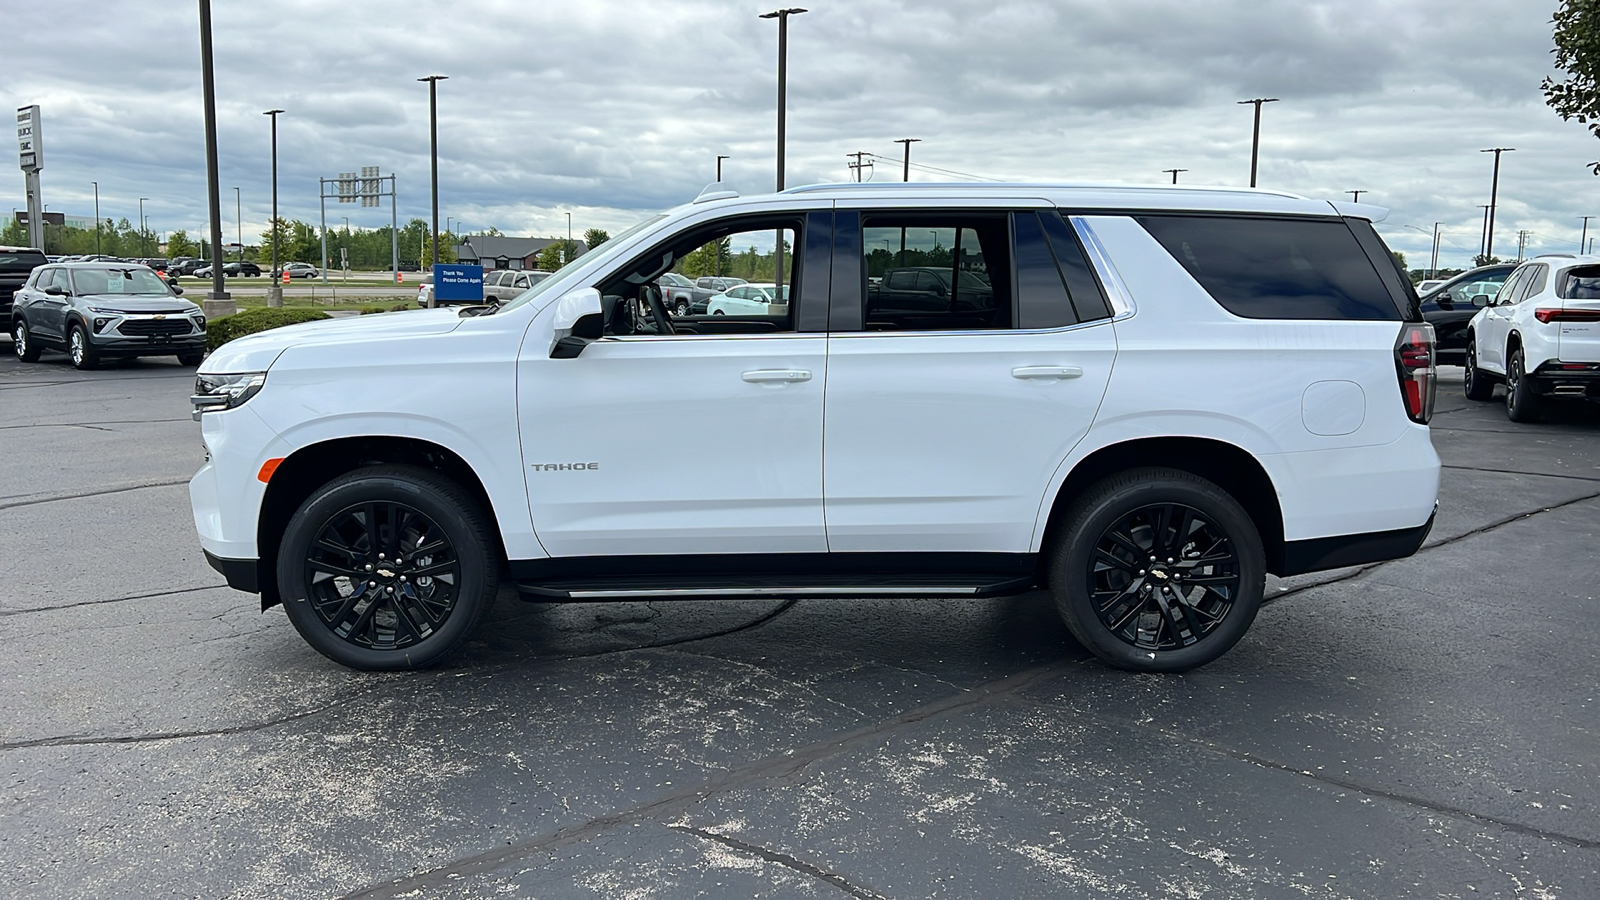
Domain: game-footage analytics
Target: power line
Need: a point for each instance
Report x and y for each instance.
(937, 169)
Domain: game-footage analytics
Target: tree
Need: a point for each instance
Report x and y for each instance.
(1577, 52)
(558, 253)
(447, 250)
(594, 237)
(14, 234)
(1400, 259)
(178, 244)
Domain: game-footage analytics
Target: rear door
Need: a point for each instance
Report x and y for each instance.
(945, 423)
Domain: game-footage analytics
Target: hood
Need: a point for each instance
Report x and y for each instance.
(256, 352)
(139, 304)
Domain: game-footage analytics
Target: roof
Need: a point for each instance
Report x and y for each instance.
(491, 246)
(1085, 196)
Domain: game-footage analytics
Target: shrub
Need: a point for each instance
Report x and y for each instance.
(370, 309)
(222, 330)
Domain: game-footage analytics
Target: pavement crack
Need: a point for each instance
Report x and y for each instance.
(782, 859)
(777, 767)
(53, 498)
(1519, 472)
(78, 740)
(40, 609)
(782, 608)
(94, 425)
(1498, 523)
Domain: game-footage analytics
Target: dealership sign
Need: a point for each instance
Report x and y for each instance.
(29, 152)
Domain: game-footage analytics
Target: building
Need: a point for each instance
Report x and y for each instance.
(54, 218)
(499, 252)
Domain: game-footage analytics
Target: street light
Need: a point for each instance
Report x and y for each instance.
(238, 221)
(1585, 235)
(905, 159)
(218, 303)
(782, 15)
(1355, 196)
(433, 152)
(144, 243)
(97, 217)
(274, 289)
(1255, 139)
(719, 167)
(1494, 194)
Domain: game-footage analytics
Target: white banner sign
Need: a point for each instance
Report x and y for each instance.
(30, 153)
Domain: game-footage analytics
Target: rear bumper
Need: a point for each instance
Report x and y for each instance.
(1553, 381)
(1317, 554)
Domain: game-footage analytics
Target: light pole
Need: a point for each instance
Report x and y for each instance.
(719, 167)
(782, 15)
(144, 242)
(433, 152)
(1483, 237)
(275, 288)
(1433, 268)
(1355, 196)
(1494, 198)
(569, 228)
(1174, 173)
(905, 158)
(218, 303)
(1255, 138)
(1585, 236)
(238, 221)
(97, 218)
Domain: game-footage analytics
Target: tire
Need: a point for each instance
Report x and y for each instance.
(436, 613)
(1477, 384)
(1522, 404)
(716, 312)
(191, 359)
(80, 348)
(681, 309)
(1109, 554)
(23, 343)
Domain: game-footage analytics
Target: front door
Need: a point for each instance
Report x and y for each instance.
(947, 419)
(707, 440)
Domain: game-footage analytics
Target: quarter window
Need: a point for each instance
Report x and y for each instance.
(1535, 282)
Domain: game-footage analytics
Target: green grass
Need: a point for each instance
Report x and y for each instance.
(353, 303)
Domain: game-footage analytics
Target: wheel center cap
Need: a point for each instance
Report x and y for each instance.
(1159, 574)
(385, 573)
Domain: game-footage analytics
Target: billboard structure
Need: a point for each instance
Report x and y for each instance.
(368, 189)
(30, 157)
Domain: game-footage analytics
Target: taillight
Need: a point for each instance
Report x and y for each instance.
(1567, 315)
(1414, 362)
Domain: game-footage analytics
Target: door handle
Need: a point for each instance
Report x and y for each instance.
(1046, 373)
(769, 376)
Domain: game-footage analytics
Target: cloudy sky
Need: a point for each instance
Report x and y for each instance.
(612, 110)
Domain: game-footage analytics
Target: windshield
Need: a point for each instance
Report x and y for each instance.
(118, 281)
(559, 281)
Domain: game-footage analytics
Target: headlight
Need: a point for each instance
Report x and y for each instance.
(219, 392)
(102, 309)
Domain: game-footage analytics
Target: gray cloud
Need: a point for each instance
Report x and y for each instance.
(614, 109)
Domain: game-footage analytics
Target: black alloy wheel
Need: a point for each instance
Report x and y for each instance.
(1158, 570)
(1522, 404)
(22, 342)
(1477, 385)
(387, 568)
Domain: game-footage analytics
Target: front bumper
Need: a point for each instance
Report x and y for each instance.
(149, 346)
(240, 573)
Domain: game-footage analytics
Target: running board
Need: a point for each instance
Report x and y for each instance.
(746, 588)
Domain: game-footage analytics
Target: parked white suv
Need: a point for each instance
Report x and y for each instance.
(1142, 399)
(1540, 336)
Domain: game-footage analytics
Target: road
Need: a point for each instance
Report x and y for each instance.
(1426, 727)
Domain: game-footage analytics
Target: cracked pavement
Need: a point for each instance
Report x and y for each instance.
(1425, 727)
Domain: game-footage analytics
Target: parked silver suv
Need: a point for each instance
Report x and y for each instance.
(105, 310)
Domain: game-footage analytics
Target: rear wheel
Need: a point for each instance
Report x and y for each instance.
(22, 342)
(1478, 385)
(1157, 570)
(387, 568)
(1522, 404)
(80, 349)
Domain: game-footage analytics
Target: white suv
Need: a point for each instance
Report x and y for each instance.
(1540, 335)
(1142, 399)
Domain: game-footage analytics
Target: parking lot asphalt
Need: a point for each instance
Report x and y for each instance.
(1425, 727)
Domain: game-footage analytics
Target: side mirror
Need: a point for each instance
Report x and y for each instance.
(579, 320)
(1481, 300)
(176, 289)
(54, 291)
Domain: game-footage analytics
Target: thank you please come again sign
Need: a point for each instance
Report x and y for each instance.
(457, 282)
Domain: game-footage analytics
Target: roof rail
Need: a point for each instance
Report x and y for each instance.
(1558, 255)
(715, 191)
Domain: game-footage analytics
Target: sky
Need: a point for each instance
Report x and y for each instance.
(612, 111)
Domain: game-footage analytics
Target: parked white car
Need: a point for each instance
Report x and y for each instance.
(1144, 400)
(300, 270)
(747, 300)
(1540, 336)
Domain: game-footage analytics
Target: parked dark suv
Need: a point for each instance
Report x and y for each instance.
(1450, 306)
(16, 263)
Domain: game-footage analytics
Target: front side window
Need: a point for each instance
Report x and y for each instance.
(1276, 268)
(1511, 287)
(936, 272)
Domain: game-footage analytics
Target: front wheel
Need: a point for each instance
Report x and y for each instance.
(1522, 404)
(80, 349)
(682, 309)
(387, 568)
(1157, 570)
(191, 359)
(1478, 386)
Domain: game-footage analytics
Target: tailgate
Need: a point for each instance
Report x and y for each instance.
(1579, 319)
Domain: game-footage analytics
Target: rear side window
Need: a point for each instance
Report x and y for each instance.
(12, 261)
(1277, 268)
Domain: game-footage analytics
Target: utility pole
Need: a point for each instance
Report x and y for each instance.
(905, 164)
(719, 167)
(144, 243)
(275, 286)
(1522, 243)
(238, 222)
(433, 152)
(1255, 139)
(1494, 193)
(1585, 236)
(1174, 173)
(782, 15)
(97, 218)
(1355, 196)
(1482, 238)
(857, 165)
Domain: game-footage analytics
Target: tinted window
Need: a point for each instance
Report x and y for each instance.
(1042, 300)
(936, 272)
(1087, 296)
(1277, 268)
(20, 260)
(1581, 284)
(1536, 281)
